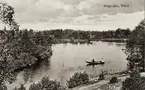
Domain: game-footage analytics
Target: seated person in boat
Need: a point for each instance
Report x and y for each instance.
(93, 60)
(103, 60)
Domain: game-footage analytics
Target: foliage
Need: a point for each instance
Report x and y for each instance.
(6, 16)
(3, 87)
(136, 55)
(20, 88)
(47, 37)
(36, 86)
(113, 80)
(17, 51)
(40, 38)
(78, 34)
(136, 48)
(46, 84)
(78, 79)
(135, 74)
(102, 75)
(23, 52)
(134, 82)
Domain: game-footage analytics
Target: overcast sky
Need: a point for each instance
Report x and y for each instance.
(77, 14)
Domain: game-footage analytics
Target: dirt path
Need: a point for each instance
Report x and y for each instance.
(90, 87)
(102, 85)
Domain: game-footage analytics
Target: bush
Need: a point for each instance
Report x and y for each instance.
(46, 84)
(78, 79)
(20, 88)
(34, 86)
(3, 87)
(113, 80)
(102, 75)
(135, 74)
(134, 82)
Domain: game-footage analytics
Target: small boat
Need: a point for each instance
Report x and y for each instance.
(95, 62)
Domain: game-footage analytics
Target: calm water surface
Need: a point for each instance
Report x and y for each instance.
(70, 58)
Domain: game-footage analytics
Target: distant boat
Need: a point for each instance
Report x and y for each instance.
(95, 62)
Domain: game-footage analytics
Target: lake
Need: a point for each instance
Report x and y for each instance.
(70, 58)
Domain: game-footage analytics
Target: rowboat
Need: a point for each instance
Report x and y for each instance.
(95, 62)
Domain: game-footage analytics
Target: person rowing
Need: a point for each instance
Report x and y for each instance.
(103, 60)
(93, 60)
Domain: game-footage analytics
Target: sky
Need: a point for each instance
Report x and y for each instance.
(77, 14)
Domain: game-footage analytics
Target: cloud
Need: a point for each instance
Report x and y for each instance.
(70, 11)
(77, 13)
(20, 6)
(71, 2)
(89, 22)
(94, 7)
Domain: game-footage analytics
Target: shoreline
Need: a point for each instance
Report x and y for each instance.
(82, 41)
(95, 84)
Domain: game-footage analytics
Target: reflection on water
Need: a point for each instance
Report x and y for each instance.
(31, 72)
(118, 44)
(70, 58)
(92, 65)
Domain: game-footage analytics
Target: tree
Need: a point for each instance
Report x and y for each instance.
(17, 49)
(136, 47)
(46, 84)
(39, 38)
(7, 17)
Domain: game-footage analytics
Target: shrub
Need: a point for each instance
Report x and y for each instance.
(113, 80)
(78, 79)
(135, 74)
(46, 84)
(34, 86)
(50, 84)
(102, 75)
(20, 88)
(3, 87)
(134, 82)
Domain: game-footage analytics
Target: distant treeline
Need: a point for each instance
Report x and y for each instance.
(78, 34)
(50, 36)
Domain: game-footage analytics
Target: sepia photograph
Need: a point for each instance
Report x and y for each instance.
(72, 44)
